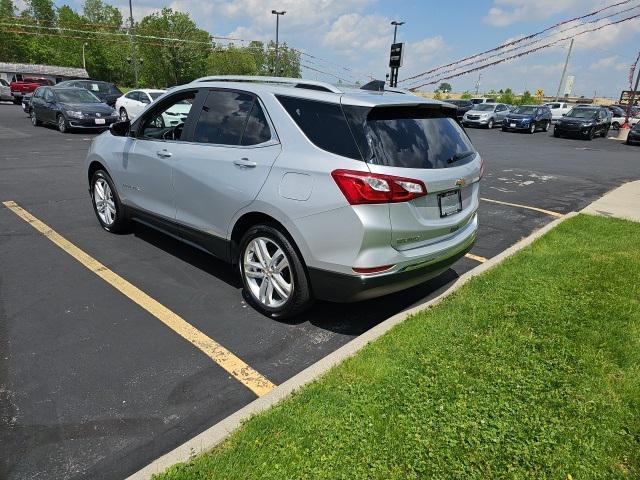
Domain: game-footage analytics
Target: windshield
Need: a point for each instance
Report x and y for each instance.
(484, 107)
(409, 137)
(101, 87)
(155, 95)
(525, 110)
(582, 113)
(76, 96)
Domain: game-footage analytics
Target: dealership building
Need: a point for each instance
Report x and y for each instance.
(17, 71)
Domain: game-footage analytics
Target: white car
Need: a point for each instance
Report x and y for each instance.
(558, 109)
(617, 121)
(131, 104)
(5, 90)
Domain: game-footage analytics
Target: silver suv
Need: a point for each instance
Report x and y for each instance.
(313, 191)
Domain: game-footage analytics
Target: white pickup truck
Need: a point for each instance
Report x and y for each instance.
(558, 109)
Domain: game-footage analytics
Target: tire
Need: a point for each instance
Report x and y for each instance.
(532, 128)
(605, 133)
(63, 126)
(123, 114)
(556, 133)
(287, 292)
(592, 133)
(490, 124)
(16, 101)
(546, 126)
(112, 219)
(505, 129)
(34, 121)
(615, 126)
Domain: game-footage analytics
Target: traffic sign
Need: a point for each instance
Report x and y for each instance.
(396, 55)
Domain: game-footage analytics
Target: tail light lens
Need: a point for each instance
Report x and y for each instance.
(363, 187)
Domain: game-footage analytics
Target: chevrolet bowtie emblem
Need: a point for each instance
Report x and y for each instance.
(98, 115)
(461, 182)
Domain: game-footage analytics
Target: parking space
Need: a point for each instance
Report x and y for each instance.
(95, 385)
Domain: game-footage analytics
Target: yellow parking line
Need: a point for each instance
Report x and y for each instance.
(541, 210)
(477, 258)
(223, 357)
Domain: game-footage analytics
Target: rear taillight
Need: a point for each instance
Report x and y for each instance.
(363, 187)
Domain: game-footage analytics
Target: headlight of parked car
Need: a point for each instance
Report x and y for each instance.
(586, 124)
(75, 114)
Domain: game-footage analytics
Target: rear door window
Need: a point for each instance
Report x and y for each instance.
(409, 137)
(257, 128)
(223, 117)
(324, 124)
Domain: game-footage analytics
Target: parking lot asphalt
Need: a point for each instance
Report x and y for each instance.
(93, 386)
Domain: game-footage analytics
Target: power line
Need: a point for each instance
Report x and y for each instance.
(519, 47)
(521, 54)
(519, 40)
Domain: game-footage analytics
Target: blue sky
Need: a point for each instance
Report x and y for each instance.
(356, 34)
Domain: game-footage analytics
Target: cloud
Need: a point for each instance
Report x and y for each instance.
(507, 12)
(609, 63)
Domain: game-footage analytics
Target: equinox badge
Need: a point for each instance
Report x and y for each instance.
(461, 182)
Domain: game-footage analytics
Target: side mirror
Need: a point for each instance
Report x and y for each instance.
(120, 129)
(564, 114)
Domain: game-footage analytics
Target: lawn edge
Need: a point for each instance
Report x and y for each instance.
(215, 434)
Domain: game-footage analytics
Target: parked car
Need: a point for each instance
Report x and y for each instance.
(584, 121)
(558, 109)
(528, 118)
(485, 115)
(5, 90)
(26, 103)
(70, 108)
(618, 121)
(463, 106)
(479, 100)
(107, 92)
(27, 85)
(315, 192)
(634, 135)
(133, 102)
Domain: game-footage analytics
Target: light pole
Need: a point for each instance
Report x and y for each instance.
(394, 70)
(277, 14)
(84, 63)
(133, 49)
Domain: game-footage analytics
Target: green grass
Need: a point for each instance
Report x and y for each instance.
(529, 371)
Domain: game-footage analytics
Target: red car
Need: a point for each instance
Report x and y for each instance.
(27, 85)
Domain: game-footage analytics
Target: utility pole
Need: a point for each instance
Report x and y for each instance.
(478, 83)
(84, 63)
(632, 99)
(394, 70)
(277, 14)
(564, 70)
(134, 56)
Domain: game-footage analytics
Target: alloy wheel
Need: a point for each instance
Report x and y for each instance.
(123, 114)
(34, 120)
(267, 272)
(105, 204)
(532, 128)
(62, 124)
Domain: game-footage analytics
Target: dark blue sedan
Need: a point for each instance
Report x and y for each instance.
(528, 118)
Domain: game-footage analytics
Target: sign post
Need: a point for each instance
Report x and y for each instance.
(395, 62)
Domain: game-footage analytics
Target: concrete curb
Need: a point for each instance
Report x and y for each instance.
(217, 433)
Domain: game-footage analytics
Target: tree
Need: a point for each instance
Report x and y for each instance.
(507, 97)
(232, 61)
(444, 87)
(466, 95)
(527, 99)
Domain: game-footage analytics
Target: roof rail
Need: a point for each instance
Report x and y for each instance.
(295, 82)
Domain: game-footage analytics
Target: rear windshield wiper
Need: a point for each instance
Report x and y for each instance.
(460, 156)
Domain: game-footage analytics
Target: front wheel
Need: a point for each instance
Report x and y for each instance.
(34, 120)
(63, 126)
(532, 128)
(124, 116)
(106, 203)
(556, 133)
(591, 134)
(546, 127)
(273, 275)
(490, 124)
(615, 125)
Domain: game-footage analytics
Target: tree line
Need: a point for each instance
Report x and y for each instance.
(170, 49)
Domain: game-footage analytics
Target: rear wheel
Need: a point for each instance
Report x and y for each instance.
(273, 275)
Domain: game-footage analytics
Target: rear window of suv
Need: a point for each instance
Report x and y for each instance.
(409, 137)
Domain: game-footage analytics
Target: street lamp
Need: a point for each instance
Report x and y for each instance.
(394, 70)
(277, 14)
(84, 63)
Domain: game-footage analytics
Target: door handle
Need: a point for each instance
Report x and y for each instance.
(164, 153)
(245, 163)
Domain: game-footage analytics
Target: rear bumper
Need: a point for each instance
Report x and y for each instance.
(343, 288)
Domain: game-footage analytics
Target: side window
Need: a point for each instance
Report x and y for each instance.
(38, 93)
(143, 97)
(257, 129)
(323, 124)
(48, 96)
(132, 95)
(223, 117)
(166, 122)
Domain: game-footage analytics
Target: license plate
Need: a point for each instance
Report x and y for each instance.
(100, 121)
(450, 203)
(512, 125)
